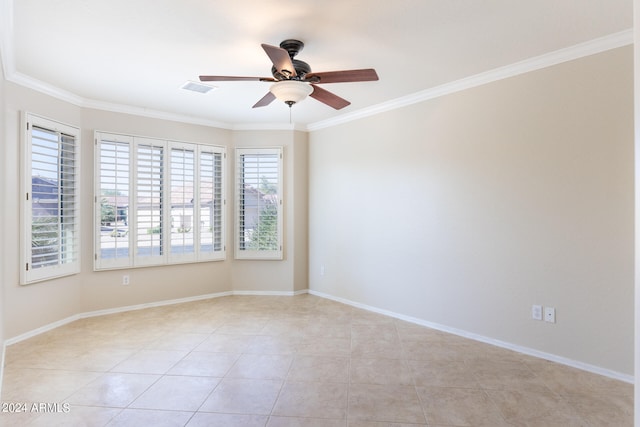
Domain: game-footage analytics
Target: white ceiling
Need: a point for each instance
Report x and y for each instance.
(136, 54)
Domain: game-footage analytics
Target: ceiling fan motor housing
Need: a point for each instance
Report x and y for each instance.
(301, 67)
(293, 47)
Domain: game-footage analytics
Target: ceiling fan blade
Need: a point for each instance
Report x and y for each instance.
(235, 79)
(281, 59)
(326, 97)
(266, 100)
(364, 75)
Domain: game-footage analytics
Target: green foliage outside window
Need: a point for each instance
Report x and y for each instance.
(107, 212)
(265, 235)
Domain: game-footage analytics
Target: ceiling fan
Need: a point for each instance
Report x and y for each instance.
(293, 79)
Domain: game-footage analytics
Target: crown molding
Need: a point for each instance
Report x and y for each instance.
(154, 114)
(56, 92)
(591, 47)
(571, 53)
(45, 88)
(53, 91)
(270, 126)
(63, 95)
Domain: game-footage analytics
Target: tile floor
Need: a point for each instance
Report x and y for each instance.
(290, 361)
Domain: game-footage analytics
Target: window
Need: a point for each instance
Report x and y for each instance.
(258, 203)
(157, 202)
(50, 208)
(182, 197)
(148, 204)
(210, 201)
(113, 190)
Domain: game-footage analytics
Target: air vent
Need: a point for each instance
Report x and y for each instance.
(197, 87)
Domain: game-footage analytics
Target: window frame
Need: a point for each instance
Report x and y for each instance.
(258, 254)
(165, 255)
(29, 274)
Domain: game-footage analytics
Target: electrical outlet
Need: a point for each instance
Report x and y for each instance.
(322, 270)
(550, 314)
(536, 312)
(125, 280)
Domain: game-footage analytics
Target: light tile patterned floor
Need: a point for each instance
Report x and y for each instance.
(291, 361)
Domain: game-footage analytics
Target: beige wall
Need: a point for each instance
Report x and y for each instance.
(34, 306)
(31, 307)
(300, 211)
(465, 210)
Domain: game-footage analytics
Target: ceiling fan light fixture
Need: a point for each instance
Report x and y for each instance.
(291, 91)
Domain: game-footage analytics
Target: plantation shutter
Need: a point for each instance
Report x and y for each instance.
(181, 190)
(112, 201)
(210, 202)
(52, 238)
(259, 203)
(149, 201)
(157, 202)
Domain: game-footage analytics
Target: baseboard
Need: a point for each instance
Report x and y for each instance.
(476, 337)
(153, 304)
(116, 310)
(271, 293)
(41, 330)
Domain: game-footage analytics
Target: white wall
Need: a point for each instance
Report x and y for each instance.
(465, 210)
